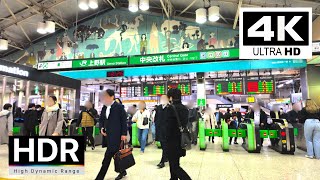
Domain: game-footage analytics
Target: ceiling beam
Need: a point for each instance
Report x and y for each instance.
(188, 7)
(165, 8)
(109, 3)
(15, 18)
(50, 12)
(235, 22)
(57, 2)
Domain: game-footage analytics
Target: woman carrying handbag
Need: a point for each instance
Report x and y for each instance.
(177, 118)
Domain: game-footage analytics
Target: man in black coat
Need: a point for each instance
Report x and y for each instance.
(30, 120)
(174, 135)
(259, 116)
(161, 128)
(294, 115)
(113, 127)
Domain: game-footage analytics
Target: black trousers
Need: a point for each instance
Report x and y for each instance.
(87, 133)
(130, 133)
(176, 171)
(164, 147)
(29, 131)
(105, 165)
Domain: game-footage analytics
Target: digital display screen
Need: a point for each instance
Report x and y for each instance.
(115, 74)
(156, 88)
(183, 85)
(260, 85)
(229, 86)
(130, 90)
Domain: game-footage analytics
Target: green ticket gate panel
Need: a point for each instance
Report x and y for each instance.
(80, 131)
(225, 137)
(273, 134)
(232, 133)
(217, 132)
(16, 130)
(135, 142)
(296, 132)
(202, 135)
(242, 133)
(209, 132)
(37, 130)
(158, 144)
(264, 134)
(253, 141)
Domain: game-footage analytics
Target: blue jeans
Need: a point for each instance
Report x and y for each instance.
(312, 135)
(142, 137)
(153, 130)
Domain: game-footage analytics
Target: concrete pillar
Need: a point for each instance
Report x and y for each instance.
(201, 91)
(27, 97)
(304, 83)
(3, 91)
(46, 92)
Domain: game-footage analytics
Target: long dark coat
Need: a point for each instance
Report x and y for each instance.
(173, 132)
(263, 118)
(160, 121)
(115, 126)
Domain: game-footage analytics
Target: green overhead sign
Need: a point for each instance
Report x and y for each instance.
(84, 63)
(207, 55)
(170, 58)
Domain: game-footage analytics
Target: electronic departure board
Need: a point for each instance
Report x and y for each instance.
(183, 85)
(154, 88)
(130, 90)
(229, 86)
(260, 85)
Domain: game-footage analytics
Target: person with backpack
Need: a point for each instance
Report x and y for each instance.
(6, 124)
(52, 119)
(87, 120)
(30, 120)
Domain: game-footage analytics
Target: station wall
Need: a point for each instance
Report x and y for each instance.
(119, 33)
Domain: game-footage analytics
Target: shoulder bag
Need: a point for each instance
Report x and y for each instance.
(185, 133)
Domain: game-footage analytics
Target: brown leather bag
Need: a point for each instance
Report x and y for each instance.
(123, 159)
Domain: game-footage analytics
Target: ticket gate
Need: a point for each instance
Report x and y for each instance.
(251, 133)
(283, 139)
(223, 132)
(135, 141)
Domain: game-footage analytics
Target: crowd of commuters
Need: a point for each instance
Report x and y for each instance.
(115, 123)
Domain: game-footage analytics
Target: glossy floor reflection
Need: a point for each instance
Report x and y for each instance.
(211, 164)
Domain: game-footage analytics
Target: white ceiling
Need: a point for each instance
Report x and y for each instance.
(18, 18)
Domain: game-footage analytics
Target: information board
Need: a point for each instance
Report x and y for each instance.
(185, 57)
(156, 88)
(260, 85)
(130, 90)
(183, 85)
(229, 86)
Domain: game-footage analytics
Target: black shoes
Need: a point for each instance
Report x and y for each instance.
(161, 165)
(235, 143)
(121, 175)
(93, 147)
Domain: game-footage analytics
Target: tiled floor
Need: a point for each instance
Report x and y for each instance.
(212, 164)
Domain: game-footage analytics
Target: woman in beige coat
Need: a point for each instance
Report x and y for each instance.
(210, 121)
(52, 119)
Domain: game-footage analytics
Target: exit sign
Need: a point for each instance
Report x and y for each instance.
(202, 102)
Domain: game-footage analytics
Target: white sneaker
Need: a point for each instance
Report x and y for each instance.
(310, 157)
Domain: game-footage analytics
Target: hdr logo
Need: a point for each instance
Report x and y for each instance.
(46, 155)
(269, 33)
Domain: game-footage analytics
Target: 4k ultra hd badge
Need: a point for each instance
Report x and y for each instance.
(275, 33)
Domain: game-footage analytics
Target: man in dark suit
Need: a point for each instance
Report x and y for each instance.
(161, 128)
(113, 127)
(259, 116)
